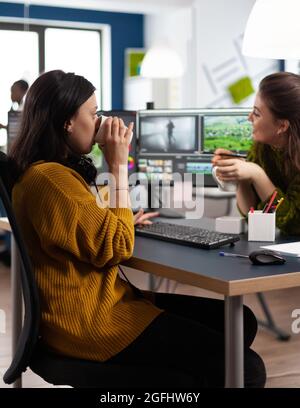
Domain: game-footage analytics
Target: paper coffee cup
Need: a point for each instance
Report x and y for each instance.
(230, 186)
(100, 137)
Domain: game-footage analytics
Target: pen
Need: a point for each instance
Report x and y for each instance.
(243, 156)
(222, 253)
(271, 201)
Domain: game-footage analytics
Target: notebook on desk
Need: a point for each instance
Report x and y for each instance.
(289, 249)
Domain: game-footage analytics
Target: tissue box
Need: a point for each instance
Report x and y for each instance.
(230, 225)
(261, 226)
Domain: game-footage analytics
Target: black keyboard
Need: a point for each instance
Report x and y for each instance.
(185, 235)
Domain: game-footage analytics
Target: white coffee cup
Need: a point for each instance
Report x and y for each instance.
(230, 186)
(100, 137)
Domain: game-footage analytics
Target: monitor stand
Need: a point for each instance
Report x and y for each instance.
(163, 212)
(169, 212)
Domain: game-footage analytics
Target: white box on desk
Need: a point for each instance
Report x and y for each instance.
(230, 225)
(261, 226)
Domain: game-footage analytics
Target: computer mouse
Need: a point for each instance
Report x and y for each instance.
(266, 257)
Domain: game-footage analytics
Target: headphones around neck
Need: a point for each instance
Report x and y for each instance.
(85, 167)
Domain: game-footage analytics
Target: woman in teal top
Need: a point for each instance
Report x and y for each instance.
(273, 163)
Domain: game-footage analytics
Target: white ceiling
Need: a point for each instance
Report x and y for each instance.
(130, 6)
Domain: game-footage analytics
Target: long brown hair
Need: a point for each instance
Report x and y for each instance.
(281, 93)
(51, 101)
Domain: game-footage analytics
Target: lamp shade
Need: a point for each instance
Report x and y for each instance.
(161, 62)
(273, 30)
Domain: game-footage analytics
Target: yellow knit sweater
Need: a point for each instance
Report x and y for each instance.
(75, 246)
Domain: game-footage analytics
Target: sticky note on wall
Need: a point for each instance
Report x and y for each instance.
(135, 63)
(241, 89)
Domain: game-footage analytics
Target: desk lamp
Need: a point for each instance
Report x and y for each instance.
(273, 30)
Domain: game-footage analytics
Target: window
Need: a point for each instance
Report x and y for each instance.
(78, 52)
(25, 54)
(19, 59)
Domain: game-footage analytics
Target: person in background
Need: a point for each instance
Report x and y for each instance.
(17, 93)
(170, 133)
(76, 247)
(273, 163)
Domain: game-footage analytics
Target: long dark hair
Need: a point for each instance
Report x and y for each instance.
(52, 100)
(281, 93)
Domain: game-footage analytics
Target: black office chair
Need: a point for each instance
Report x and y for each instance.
(57, 369)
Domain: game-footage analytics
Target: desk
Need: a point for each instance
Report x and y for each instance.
(231, 277)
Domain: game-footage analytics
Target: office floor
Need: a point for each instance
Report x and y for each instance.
(281, 358)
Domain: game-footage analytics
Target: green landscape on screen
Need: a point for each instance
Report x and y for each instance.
(227, 132)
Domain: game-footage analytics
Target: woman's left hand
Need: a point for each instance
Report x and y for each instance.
(236, 170)
(143, 219)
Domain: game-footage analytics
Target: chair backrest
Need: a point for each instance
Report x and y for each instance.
(30, 329)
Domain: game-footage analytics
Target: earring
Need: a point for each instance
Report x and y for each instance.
(67, 127)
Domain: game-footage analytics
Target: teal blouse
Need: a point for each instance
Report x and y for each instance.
(271, 160)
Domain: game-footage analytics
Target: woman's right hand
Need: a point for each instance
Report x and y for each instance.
(218, 155)
(115, 137)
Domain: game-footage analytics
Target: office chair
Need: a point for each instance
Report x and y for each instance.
(61, 370)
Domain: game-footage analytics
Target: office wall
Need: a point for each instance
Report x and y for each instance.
(208, 37)
(127, 31)
(219, 33)
(174, 28)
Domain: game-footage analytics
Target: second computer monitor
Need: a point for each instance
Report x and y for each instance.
(14, 123)
(231, 131)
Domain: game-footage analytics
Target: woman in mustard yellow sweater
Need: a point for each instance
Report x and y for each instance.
(75, 246)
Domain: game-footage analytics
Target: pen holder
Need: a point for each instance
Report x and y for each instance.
(261, 226)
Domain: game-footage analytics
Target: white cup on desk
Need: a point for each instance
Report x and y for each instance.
(100, 136)
(230, 186)
(261, 226)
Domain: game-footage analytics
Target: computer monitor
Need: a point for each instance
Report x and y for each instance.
(201, 165)
(226, 130)
(162, 168)
(156, 168)
(169, 134)
(209, 129)
(13, 126)
(168, 140)
(127, 116)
